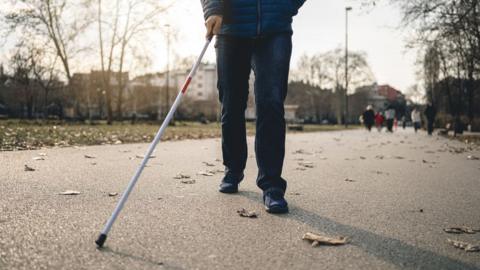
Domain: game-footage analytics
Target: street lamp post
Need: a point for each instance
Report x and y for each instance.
(347, 9)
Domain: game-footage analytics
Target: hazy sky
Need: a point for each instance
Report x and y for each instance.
(319, 27)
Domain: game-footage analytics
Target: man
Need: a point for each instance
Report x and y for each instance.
(253, 35)
(390, 117)
(369, 117)
(416, 119)
(430, 113)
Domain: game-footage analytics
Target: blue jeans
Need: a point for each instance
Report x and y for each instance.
(269, 58)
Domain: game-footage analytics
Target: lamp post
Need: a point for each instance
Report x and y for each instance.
(347, 9)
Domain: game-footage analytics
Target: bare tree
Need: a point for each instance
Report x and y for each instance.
(130, 23)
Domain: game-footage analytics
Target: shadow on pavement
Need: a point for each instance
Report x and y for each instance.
(385, 248)
(124, 255)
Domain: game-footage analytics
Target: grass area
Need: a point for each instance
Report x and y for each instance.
(26, 135)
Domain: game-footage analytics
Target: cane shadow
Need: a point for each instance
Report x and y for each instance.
(123, 255)
(385, 248)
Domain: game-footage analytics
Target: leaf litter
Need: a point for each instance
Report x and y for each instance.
(318, 239)
(206, 173)
(461, 230)
(468, 247)
(188, 182)
(181, 176)
(248, 214)
(28, 168)
(70, 192)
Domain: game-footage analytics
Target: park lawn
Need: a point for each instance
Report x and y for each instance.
(27, 135)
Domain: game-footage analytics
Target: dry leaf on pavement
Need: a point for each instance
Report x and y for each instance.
(460, 230)
(208, 164)
(181, 176)
(473, 158)
(38, 158)
(112, 194)
(70, 192)
(464, 245)
(205, 173)
(29, 169)
(188, 182)
(89, 156)
(245, 213)
(349, 180)
(306, 164)
(317, 239)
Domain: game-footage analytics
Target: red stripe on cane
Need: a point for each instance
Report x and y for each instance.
(185, 86)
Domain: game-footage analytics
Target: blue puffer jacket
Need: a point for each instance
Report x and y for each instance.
(253, 18)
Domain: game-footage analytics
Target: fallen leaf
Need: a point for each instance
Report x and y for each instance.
(205, 173)
(363, 158)
(317, 239)
(89, 156)
(473, 158)
(29, 169)
(38, 158)
(349, 180)
(181, 176)
(306, 164)
(379, 157)
(208, 164)
(464, 245)
(42, 154)
(460, 230)
(301, 169)
(112, 194)
(295, 193)
(245, 213)
(70, 192)
(302, 152)
(188, 182)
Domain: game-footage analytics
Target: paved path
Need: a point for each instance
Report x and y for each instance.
(406, 189)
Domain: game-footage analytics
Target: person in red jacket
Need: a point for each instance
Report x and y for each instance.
(379, 119)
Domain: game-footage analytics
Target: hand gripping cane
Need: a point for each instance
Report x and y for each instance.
(103, 235)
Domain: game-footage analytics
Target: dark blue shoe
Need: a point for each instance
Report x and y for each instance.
(230, 182)
(274, 201)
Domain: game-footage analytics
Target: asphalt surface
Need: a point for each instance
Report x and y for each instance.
(404, 189)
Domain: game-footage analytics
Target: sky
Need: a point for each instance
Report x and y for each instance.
(319, 27)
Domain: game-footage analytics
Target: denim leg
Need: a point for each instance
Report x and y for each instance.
(233, 68)
(271, 64)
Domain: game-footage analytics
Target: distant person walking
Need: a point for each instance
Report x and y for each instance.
(430, 113)
(416, 119)
(379, 119)
(390, 117)
(369, 117)
(404, 122)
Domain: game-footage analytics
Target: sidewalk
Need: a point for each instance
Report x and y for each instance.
(403, 190)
